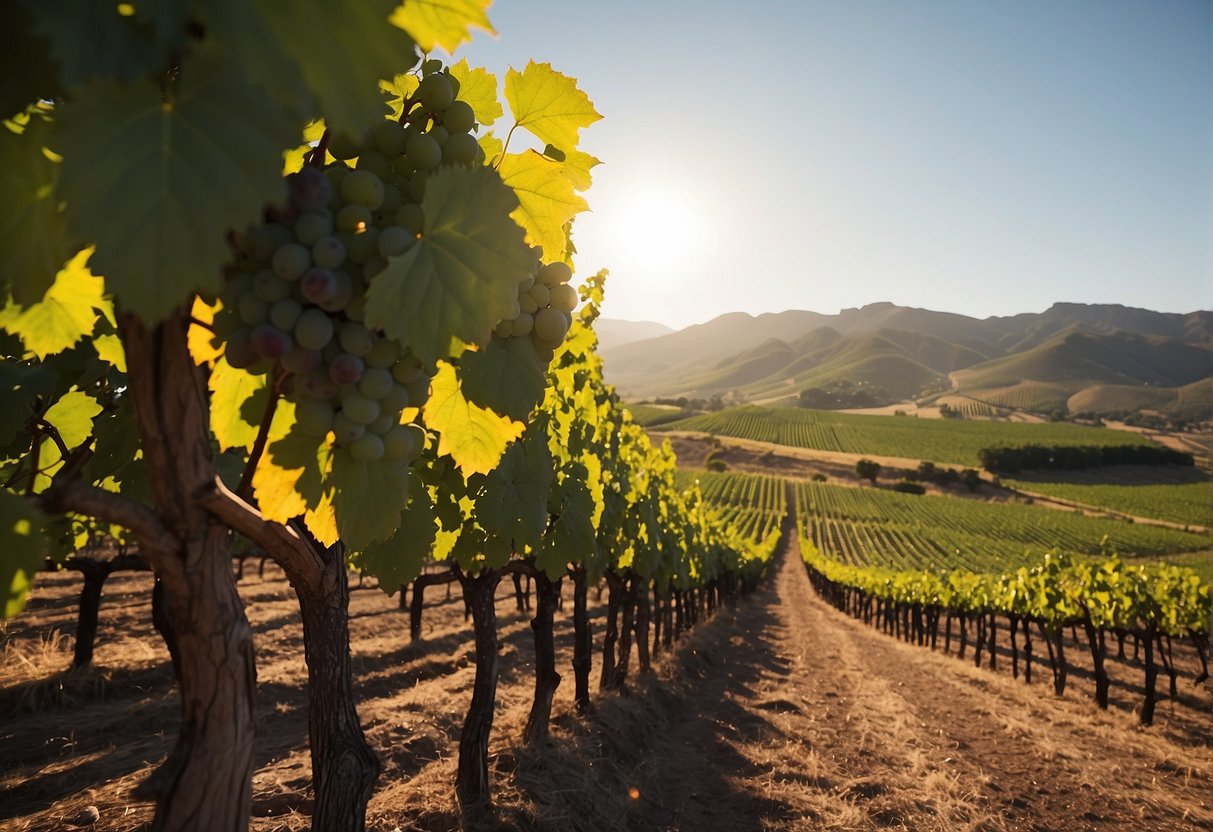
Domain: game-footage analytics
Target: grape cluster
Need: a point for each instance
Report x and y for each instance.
(543, 313)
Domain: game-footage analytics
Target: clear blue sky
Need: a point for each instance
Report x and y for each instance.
(973, 156)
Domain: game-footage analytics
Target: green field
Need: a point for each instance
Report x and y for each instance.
(954, 441)
(1178, 502)
(650, 415)
(861, 526)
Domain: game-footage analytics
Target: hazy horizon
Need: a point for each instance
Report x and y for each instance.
(983, 159)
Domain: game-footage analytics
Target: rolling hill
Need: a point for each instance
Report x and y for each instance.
(1072, 356)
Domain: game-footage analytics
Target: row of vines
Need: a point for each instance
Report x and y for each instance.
(270, 279)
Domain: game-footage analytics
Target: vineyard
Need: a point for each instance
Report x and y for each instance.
(753, 505)
(951, 441)
(1187, 503)
(873, 527)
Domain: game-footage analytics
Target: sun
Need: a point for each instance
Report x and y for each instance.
(656, 228)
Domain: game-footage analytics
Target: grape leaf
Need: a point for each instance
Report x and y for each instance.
(492, 147)
(25, 63)
(33, 237)
(513, 501)
(445, 23)
(204, 347)
(342, 50)
(72, 416)
(24, 548)
(238, 399)
(399, 559)
(571, 537)
(496, 378)
(67, 312)
(368, 498)
(546, 199)
(478, 87)
(21, 384)
(576, 166)
(462, 276)
(91, 40)
(109, 349)
(549, 105)
(475, 438)
(291, 477)
(157, 183)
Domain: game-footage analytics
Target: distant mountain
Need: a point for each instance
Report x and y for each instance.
(1037, 361)
(615, 332)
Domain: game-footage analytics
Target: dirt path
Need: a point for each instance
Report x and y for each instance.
(778, 713)
(812, 720)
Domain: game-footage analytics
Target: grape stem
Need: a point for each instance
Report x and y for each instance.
(245, 489)
(505, 146)
(316, 159)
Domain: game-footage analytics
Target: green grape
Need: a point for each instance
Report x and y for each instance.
(361, 246)
(356, 339)
(354, 217)
(225, 324)
(314, 417)
(266, 239)
(392, 198)
(419, 391)
(459, 117)
(383, 354)
(376, 382)
(285, 314)
(439, 134)
(417, 185)
(431, 66)
(355, 310)
(526, 284)
(522, 325)
(328, 252)
(367, 448)
(396, 400)
(550, 326)
(359, 408)
(522, 348)
(342, 146)
(318, 385)
(455, 85)
(527, 304)
(291, 261)
(238, 284)
(435, 92)
(403, 166)
(310, 228)
(253, 310)
(238, 349)
(410, 217)
(504, 328)
(389, 138)
(401, 443)
(362, 187)
(374, 162)
(407, 370)
(346, 430)
(554, 274)
(346, 369)
(460, 149)
(394, 241)
(268, 286)
(384, 423)
(335, 174)
(270, 342)
(541, 294)
(564, 297)
(424, 152)
(313, 330)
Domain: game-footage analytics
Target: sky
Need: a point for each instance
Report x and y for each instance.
(985, 158)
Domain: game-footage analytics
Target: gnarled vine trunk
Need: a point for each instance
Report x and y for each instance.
(547, 595)
(472, 773)
(583, 642)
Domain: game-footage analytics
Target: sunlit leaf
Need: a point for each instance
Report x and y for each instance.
(23, 550)
(67, 312)
(546, 199)
(478, 87)
(445, 23)
(474, 437)
(549, 104)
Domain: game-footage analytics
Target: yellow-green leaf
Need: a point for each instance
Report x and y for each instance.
(204, 347)
(368, 498)
(492, 147)
(109, 349)
(238, 400)
(73, 417)
(478, 87)
(67, 312)
(445, 23)
(24, 548)
(474, 437)
(546, 199)
(548, 104)
(291, 479)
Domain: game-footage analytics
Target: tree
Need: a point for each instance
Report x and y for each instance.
(867, 469)
(148, 229)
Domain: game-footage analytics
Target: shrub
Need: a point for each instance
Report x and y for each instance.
(908, 487)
